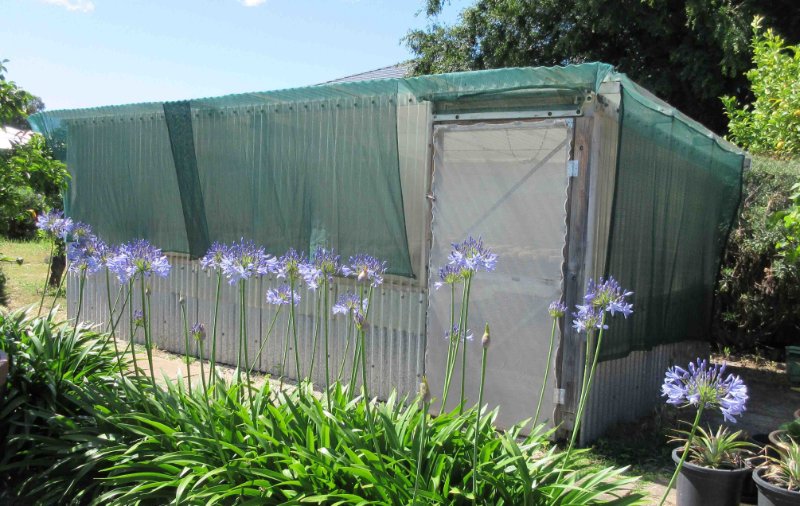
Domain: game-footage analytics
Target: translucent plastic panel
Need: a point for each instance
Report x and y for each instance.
(507, 184)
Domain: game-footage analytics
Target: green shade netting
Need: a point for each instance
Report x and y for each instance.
(677, 192)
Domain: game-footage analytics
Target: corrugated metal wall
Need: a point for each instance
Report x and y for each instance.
(395, 338)
(630, 387)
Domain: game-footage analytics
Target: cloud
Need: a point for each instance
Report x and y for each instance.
(73, 5)
(252, 3)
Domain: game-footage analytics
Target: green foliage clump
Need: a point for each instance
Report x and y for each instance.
(771, 123)
(31, 180)
(97, 437)
(788, 222)
(758, 290)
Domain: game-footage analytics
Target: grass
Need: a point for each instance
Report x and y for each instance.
(25, 280)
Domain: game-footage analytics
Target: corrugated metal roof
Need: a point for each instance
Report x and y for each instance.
(390, 72)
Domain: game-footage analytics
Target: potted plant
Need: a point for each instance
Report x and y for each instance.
(787, 431)
(778, 480)
(715, 468)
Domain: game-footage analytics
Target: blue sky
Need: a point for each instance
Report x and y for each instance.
(83, 53)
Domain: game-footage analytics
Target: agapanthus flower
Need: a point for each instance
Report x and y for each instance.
(80, 232)
(86, 254)
(448, 275)
(245, 260)
(198, 331)
(588, 318)
(212, 260)
(325, 263)
(138, 257)
(138, 318)
(290, 265)
(468, 336)
(350, 303)
(557, 309)
(705, 386)
(54, 223)
(282, 295)
(608, 295)
(365, 268)
(471, 256)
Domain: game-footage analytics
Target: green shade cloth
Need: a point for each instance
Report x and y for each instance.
(677, 192)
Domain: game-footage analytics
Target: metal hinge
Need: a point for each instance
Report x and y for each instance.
(559, 396)
(572, 168)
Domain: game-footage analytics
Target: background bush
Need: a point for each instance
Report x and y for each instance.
(759, 288)
(771, 123)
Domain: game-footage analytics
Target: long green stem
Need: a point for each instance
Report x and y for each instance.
(346, 348)
(317, 317)
(685, 454)
(110, 325)
(186, 346)
(463, 331)
(202, 372)
(47, 277)
(356, 364)
(148, 344)
(326, 319)
(266, 339)
(477, 428)
(546, 372)
(364, 386)
(81, 285)
(587, 384)
(243, 341)
(285, 349)
(213, 367)
(450, 346)
(298, 378)
(421, 452)
(132, 328)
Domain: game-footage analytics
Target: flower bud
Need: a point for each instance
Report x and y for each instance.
(424, 390)
(147, 291)
(181, 299)
(486, 339)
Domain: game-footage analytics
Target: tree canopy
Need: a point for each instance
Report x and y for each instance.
(16, 104)
(689, 52)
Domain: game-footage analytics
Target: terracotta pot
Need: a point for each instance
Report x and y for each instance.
(773, 495)
(704, 486)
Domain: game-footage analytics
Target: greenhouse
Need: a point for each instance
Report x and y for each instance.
(567, 173)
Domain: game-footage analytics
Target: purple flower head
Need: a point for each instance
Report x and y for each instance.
(282, 295)
(455, 334)
(325, 264)
(138, 257)
(291, 265)
(80, 232)
(450, 274)
(85, 255)
(138, 318)
(198, 331)
(365, 268)
(55, 224)
(608, 295)
(588, 318)
(349, 303)
(557, 309)
(471, 256)
(705, 386)
(245, 260)
(213, 257)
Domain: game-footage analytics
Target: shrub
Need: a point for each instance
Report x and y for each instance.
(771, 124)
(759, 287)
